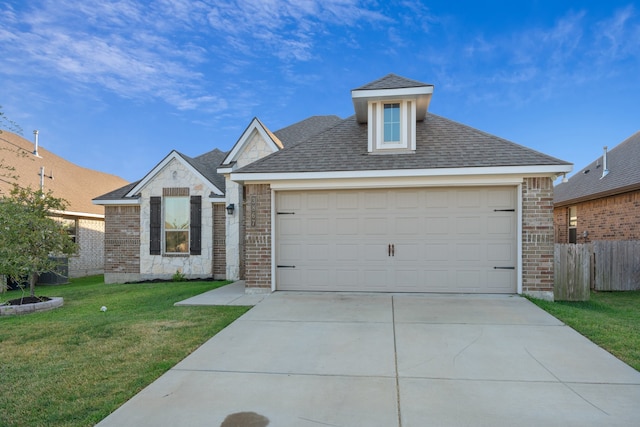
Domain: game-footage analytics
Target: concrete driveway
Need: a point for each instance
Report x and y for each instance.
(332, 359)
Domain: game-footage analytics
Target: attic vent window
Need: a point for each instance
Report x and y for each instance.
(392, 126)
(392, 123)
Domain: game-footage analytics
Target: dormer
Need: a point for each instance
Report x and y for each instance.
(390, 107)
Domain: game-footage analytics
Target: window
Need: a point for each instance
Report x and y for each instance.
(573, 224)
(392, 123)
(392, 127)
(176, 225)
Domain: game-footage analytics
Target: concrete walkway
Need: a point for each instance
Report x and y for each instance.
(333, 359)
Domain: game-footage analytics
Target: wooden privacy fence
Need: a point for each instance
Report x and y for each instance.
(601, 265)
(572, 272)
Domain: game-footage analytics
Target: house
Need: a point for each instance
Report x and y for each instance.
(39, 168)
(393, 198)
(602, 201)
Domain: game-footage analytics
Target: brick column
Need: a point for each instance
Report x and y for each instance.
(121, 244)
(257, 239)
(219, 241)
(537, 237)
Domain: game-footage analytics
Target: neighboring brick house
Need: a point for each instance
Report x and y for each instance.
(391, 199)
(602, 201)
(75, 184)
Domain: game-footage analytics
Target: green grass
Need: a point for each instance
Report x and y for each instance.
(609, 319)
(74, 365)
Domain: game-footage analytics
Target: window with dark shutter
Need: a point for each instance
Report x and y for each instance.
(155, 228)
(196, 226)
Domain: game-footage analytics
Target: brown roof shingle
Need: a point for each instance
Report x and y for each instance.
(75, 184)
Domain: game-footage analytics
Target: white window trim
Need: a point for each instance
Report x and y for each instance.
(407, 126)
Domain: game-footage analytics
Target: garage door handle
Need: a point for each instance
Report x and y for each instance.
(389, 250)
(504, 268)
(393, 250)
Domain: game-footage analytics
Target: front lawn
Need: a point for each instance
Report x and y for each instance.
(609, 319)
(75, 365)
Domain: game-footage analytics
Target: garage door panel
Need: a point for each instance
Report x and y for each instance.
(407, 199)
(318, 226)
(436, 252)
(501, 198)
(317, 201)
(346, 226)
(436, 225)
(407, 225)
(501, 252)
(500, 280)
(345, 252)
(375, 226)
(437, 199)
(469, 225)
(468, 252)
(500, 226)
(445, 240)
(289, 226)
(468, 199)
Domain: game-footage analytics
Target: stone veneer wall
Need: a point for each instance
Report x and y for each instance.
(175, 176)
(121, 244)
(537, 237)
(219, 241)
(608, 218)
(90, 258)
(257, 239)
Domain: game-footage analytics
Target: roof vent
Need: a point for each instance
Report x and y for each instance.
(605, 169)
(35, 137)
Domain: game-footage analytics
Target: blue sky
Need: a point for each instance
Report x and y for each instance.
(116, 85)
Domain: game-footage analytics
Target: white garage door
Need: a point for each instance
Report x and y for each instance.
(407, 240)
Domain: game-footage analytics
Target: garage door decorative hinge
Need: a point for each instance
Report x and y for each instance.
(286, 266)
(504, 268)
(504, 210)
(286, 213)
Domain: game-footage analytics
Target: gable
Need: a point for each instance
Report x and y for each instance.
(174, 171)
(255, 143)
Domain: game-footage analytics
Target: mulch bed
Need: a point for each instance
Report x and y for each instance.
(27, 300)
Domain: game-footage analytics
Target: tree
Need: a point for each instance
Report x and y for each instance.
(29, 235)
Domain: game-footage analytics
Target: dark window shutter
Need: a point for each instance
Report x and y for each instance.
(155, 226)
(196, 225)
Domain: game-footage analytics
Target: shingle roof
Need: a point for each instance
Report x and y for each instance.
(624, 175)
(305, 129)
(440, 143)
(392, 81)
(207, 164)
(76, 184)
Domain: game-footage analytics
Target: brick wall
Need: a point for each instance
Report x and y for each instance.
(90, 258)
(609, 218)
(257, 239)
(561, 224)
(537, 237)
(219, 241)
(122, 243)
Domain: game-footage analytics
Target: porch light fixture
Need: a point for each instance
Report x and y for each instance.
(230, 209)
